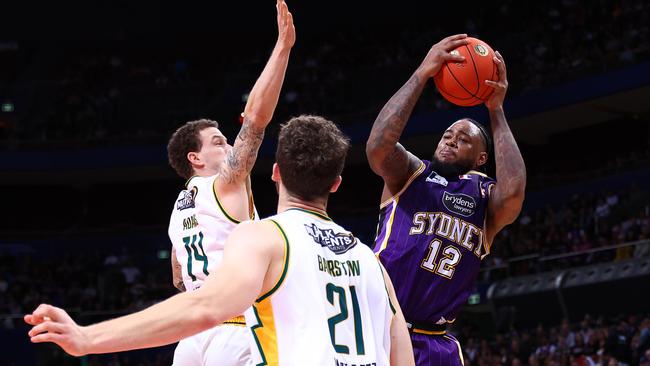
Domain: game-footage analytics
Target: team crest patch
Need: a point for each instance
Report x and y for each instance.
(187, 201)
(339, 243)
(436, 178)
(459, 203)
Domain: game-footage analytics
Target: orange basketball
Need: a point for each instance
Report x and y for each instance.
(463, 83)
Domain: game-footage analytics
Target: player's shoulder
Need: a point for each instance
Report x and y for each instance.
(257, 227)
(476, 175)
(425, 165)
(202, 186)
(482, 181)
(262, 232)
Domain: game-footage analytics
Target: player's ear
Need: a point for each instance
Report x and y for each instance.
(194, 159)
(482, 158)
(275, 175)
(336, 184)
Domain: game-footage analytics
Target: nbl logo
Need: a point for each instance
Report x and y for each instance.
(187, 201)
(436, 178)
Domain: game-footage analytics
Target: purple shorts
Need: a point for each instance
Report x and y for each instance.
(436, 350)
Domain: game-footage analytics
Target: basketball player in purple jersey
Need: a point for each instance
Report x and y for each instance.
(439, 217)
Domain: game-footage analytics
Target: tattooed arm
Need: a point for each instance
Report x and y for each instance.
(230, 186)
(261, 104)
(507, 196)
(387, 157)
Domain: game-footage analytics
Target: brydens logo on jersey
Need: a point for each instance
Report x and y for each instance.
(339, 243)
(459, 203)
(187, 201)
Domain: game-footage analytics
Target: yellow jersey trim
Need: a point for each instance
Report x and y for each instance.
(486, 244)
(415, 174)
(187, 182)
(460, 350)
(216, 197)
(264, 333)
(285, 265)
(251, 206)
(428, 332)
(238, 320)
(311, 212)
(389, 228)
(478, 173)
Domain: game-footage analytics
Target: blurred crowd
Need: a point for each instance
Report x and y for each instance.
(573, 167)
(97, 283)
(620, 341)
(589, 220)
(113, 91)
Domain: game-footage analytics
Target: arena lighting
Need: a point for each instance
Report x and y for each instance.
(7, 107)
(163, 254)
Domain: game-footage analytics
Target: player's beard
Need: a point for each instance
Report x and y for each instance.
(451, 170)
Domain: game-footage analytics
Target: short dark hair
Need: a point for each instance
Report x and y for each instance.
(487, 140)
(310, 155)
(487, 137)
(184, 140)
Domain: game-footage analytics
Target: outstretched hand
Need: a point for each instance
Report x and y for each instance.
(441, 53)
(52, 324)
(500, 87)
(286, 30)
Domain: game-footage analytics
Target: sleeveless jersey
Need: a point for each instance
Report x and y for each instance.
(198, 229)
(431, 241)
(330, 305)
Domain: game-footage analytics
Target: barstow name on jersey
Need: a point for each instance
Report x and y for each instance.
(339, 363)
(336, 268)
(453, 228)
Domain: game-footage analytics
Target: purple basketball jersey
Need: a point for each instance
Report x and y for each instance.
(431, 240)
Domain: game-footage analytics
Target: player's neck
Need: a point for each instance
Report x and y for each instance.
(205, 172)
(286, 201)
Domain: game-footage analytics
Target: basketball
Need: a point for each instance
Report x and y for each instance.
(463, 83)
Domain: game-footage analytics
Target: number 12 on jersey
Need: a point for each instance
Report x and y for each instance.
(330, 290)
(190, 247)
(447, 264)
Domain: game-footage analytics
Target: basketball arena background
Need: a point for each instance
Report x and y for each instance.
(90, 93)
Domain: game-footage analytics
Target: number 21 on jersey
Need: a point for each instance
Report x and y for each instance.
(342, 305)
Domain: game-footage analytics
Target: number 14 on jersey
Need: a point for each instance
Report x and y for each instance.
(191, 248)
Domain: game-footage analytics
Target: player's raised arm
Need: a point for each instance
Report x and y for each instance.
(261, 103)
(507, 196)
(387, 157)
(227, 292)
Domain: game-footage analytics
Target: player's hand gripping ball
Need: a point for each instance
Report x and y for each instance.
(463, 83)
